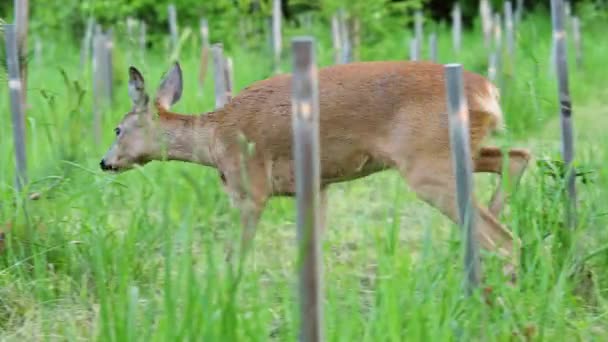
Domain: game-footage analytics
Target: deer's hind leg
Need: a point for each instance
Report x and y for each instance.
(433, 181)
(490, 159)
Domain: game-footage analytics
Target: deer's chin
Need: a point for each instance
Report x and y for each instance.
(114, 169)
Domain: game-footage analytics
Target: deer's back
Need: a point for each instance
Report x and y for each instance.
(370, 114)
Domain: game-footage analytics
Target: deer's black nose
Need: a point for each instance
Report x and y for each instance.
(103, 165)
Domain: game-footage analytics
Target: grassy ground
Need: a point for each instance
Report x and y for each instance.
(139, 256)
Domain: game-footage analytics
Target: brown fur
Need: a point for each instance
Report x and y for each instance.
(373, 116)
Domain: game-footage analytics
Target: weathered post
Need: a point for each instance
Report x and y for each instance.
(21, 27)
(100, 95)
(142, 41)
(15, 87)
(305, 107)
(456, 27)
(576, 32)
(229, 77)
(131, 25)
(433, 47)
(276, 34)
(462, 164)
(173, 29)
(336, 38)
(561, 68)
(204, 28)
(109, 65)
(346, 39)
(413, 49)
(509, 28)
(419, 30)
(519, 10)
(86, 43)
(217, 52)
(498, 49)
(485, 12)
(38, 50)
(492, 67)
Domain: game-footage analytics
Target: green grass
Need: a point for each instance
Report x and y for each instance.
(140, 256)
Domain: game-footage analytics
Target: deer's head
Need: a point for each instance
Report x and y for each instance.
(139, 137)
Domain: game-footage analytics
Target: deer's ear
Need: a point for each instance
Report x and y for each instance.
(170, 89)
(137, 90)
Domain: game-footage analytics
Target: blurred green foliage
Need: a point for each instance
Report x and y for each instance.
(225, 16)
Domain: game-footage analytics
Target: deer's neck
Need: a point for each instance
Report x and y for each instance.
(189, 138)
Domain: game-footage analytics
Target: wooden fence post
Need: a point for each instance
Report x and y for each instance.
(456, 27)
(485, 12)
(229, 77)
(276, 34)
(109, 65)
(336, 38)
(217, 52)
(509, 29)
(433, 47)
(519, 11)
(305, 107)
(413, 49)
(15, 87)
(345, 35)
(576, 33)
(419, 30)
(204, 28)
(21, 27)
(561, 67)
(142, 41)
(102, 78)
(461, 161)
(86, 44)
(173, 29)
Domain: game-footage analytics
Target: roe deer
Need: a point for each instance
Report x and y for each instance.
(373, 116)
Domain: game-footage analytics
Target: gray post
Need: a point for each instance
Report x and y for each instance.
(99, 82)
(509, 28)
(305, 107)
(229, 77)
(413, 49)
(498, 49)
(217, 52)
(276, 34)
(15, 87)
(21, 27)
(576, 32)
(519, 9)
(462, 163)
(38, 50)
(142, 41)
(204, 28)
(344, 34)
(492, 67)
(109, 65)
(86, 43)
(561, 67)
(456, 27)
(433, 47)
(336, 38)
(485, 12)
(419, 31)
(173, 26)
(131, 24)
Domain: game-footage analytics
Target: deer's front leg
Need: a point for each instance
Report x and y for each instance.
(248, 194)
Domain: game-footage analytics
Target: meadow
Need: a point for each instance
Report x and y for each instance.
(140, 255)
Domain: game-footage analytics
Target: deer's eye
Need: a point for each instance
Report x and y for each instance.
(117, 131)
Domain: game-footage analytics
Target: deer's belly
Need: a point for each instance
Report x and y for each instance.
(282, 173)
